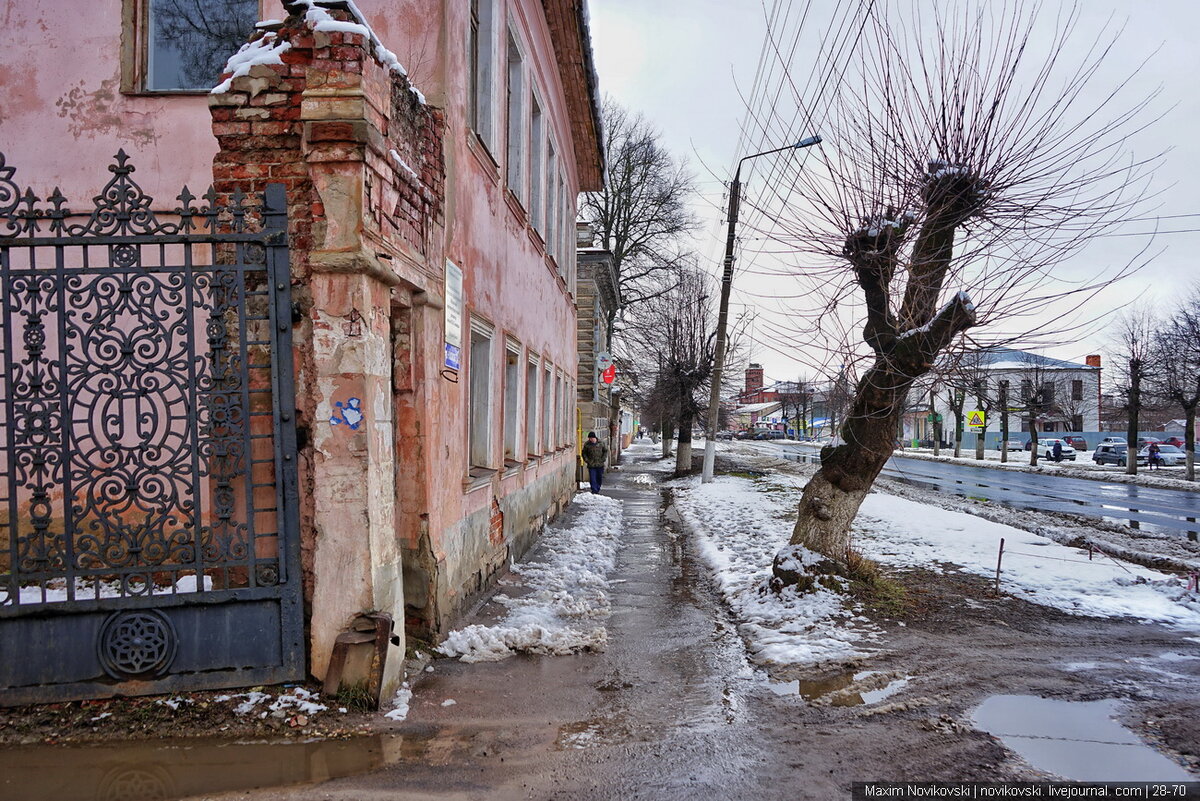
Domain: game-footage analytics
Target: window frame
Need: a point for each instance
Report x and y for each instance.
(532, 371)
(515, 146)
(480, 453)
(481, 69)
(512, 400)
(135, 56)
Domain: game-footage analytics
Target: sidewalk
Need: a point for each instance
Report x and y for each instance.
(663, 712)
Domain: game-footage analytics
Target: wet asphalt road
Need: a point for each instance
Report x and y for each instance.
(1150, 508)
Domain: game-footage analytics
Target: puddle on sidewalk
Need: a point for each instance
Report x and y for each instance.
(844, 689)
(164, 770)
(1077, 740)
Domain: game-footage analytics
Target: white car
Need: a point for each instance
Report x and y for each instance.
(1046, 449)
(1014, 445)
(1168, 456)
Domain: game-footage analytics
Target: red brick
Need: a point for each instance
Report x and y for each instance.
(230, 128)
(270, 128)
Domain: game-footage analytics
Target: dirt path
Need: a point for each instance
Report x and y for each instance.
(672, 710)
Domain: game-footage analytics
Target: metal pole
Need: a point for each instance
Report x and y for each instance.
(999, 558)
(714, 398)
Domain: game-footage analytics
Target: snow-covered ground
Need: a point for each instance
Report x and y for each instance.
(738, 525)
(740, 522)
(566, 599)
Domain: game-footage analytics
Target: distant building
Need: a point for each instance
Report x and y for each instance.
(1061, 395)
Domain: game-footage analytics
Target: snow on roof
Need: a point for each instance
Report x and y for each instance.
(757, 407)
(1010, 359)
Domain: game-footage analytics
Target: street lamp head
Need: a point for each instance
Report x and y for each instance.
(808, 141)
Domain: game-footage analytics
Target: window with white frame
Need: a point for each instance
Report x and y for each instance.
(548, 181)
(512, 395)
(537, 138)
(480, 413)
(531, 406)
(516, 118)
(181, 46)
(481, 50)
(562, 410)
(564, 229)
(547, 409)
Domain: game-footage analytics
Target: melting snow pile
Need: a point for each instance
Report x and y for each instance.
(400, 703)
(269, 48)
(739, 525)
(297, 699)
(904, 533)
(567, 601)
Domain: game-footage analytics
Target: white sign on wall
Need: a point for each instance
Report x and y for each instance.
(454, 315)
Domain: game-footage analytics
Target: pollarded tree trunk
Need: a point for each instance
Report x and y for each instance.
(683, 456)
(833, 496)
(1131, 429)
(905, 345)
(1189, 440)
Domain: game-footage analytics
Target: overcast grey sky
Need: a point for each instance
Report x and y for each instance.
(682, 63)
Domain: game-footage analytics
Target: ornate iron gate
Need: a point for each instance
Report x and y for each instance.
(148, 497)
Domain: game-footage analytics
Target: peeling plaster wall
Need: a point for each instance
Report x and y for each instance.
(386, 497)
(63, 116)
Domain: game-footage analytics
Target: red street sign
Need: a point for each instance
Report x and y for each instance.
(610, 374)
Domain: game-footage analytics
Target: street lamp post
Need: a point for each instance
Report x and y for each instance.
(714, 400)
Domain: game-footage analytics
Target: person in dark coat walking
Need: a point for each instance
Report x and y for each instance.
(1056, 451)
(595, 456)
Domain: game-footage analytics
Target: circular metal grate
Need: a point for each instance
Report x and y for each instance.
(137, 645)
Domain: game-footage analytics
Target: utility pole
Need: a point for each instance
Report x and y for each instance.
(714, 399)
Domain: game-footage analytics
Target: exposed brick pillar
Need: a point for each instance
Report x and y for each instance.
(360, 156)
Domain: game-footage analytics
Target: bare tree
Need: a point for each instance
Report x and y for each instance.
(1037, 398)
(642, 214)
(677, 330)
(795, 403)
(1133, 345)
(967, 164)
(1177, 368)
(968, 376)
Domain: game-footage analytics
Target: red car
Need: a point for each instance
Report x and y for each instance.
(1176, 441)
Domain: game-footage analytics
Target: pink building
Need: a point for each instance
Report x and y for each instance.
(431, 211)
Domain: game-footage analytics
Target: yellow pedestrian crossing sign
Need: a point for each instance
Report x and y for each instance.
(976, 419)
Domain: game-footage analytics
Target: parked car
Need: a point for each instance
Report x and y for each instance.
(743, 435)
(1014, 445)
(1046, 449)
(1168, 455)
(1108, 440)
(770, 435)
(724, 435)
(1110, 453)
(1176, 441)
(1075, 441)
(1142, 442)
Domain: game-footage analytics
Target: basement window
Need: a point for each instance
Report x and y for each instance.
(182, 45)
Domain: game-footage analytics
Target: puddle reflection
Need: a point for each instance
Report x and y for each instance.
(160, 771)
(843, 689)
(1078, 740)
